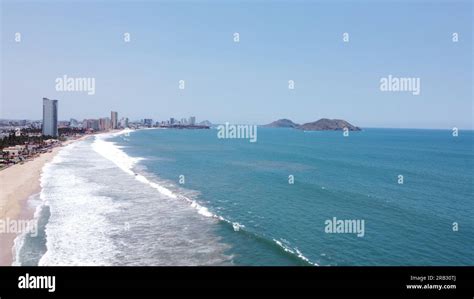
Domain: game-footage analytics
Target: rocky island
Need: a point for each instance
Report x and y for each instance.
(324, 124)
(282, 123)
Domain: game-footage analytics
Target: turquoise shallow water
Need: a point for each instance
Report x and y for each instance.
(353, 177)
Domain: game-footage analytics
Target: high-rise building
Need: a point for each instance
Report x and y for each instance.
(104, 124)
(192, 120)
(148, 122)
(114, 119)
(50, 117)
(91, 124)
(123, 123)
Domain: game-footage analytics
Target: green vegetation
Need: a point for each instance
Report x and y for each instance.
(12, 139)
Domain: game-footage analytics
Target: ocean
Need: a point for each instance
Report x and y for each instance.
(185, 197)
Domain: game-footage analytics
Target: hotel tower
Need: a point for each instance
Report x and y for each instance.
(50, 117)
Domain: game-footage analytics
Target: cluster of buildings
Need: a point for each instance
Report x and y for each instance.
(23, 152)
(9, 126)
(103, 124)
(21, 140)
(50, 126)
(191, 121)
(29, 139)
(184, 123)
(50, 121)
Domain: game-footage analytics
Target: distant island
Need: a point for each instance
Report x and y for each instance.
(282, 123)
(324, 124)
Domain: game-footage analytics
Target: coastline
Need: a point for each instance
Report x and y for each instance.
(18, 183)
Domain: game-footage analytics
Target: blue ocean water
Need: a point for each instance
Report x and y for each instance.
(185, 197)
(354, 177)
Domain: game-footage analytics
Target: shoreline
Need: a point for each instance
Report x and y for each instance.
(18, 183)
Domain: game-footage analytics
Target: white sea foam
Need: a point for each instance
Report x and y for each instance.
(287, 248)
(112, 152)
(75, 236)
(37, 202)
(20, 239)
(237, 226)
(88, 210)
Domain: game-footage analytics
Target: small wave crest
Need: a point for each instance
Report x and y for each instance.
(287, 248)
(110, 151)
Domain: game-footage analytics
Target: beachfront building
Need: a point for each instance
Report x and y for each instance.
(148, 122)
(13, 151)
(92, 124)
(123, 123)
(192, 120)
(114, 119)
(63, 124)
(50, 117)
(104, 124)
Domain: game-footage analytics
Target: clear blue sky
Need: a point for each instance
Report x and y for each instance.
(242, 82)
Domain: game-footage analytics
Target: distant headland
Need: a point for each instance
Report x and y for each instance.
(324, 124)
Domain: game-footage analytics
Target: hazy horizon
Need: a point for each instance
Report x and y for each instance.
(258, 124)
(245, 81)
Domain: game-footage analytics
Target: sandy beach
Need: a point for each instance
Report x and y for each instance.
(17, 184)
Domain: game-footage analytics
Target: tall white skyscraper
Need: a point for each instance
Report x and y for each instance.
(114, 119)
(50, 117)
